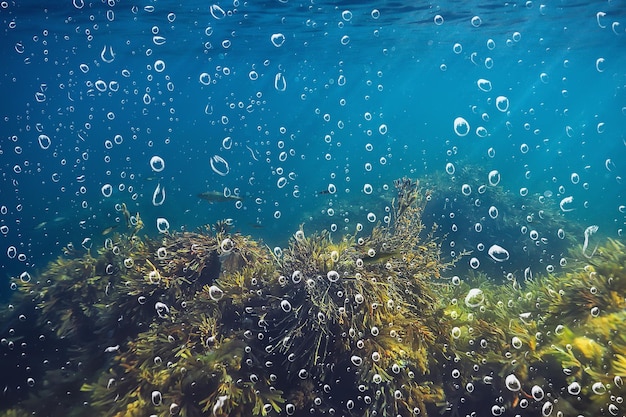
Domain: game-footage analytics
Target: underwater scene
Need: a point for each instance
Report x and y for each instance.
(312, 208)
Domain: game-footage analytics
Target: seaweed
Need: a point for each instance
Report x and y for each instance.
(215, 323)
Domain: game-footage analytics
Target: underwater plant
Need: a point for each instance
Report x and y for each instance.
(479, 212)
(215, 323)
(551, 346)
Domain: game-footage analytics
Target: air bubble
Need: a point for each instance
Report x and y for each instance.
(461, 126)
(547, 408)
(494, 178)
(285, 305)
(162, 225)
(107, 190)
(25, 277)
(44, 141)
(217, 12)
(474, 263)
(215, 293)
(574, 388)
(537, 392)
(484, 85)
(219, 165)
(280, 83)
(498, 253)
(481, 132)
(205, 79)
(157, 398)
(159, 65)
(512, 383)
(157, 163)
(455, 332)
(502, 103)
(278, 39)
(475, 297)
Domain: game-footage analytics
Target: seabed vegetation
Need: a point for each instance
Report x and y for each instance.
(213, 323)
(471, 205)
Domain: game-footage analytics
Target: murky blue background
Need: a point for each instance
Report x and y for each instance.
(300, 98)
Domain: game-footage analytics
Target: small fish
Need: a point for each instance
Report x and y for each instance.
(109, 229)
(323, 192)
(381, 257)
(41, 225)
(44, 224)
(217, 197)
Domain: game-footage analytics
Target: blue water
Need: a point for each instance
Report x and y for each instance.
(86, 74)
(309, 111)
(336, 78)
